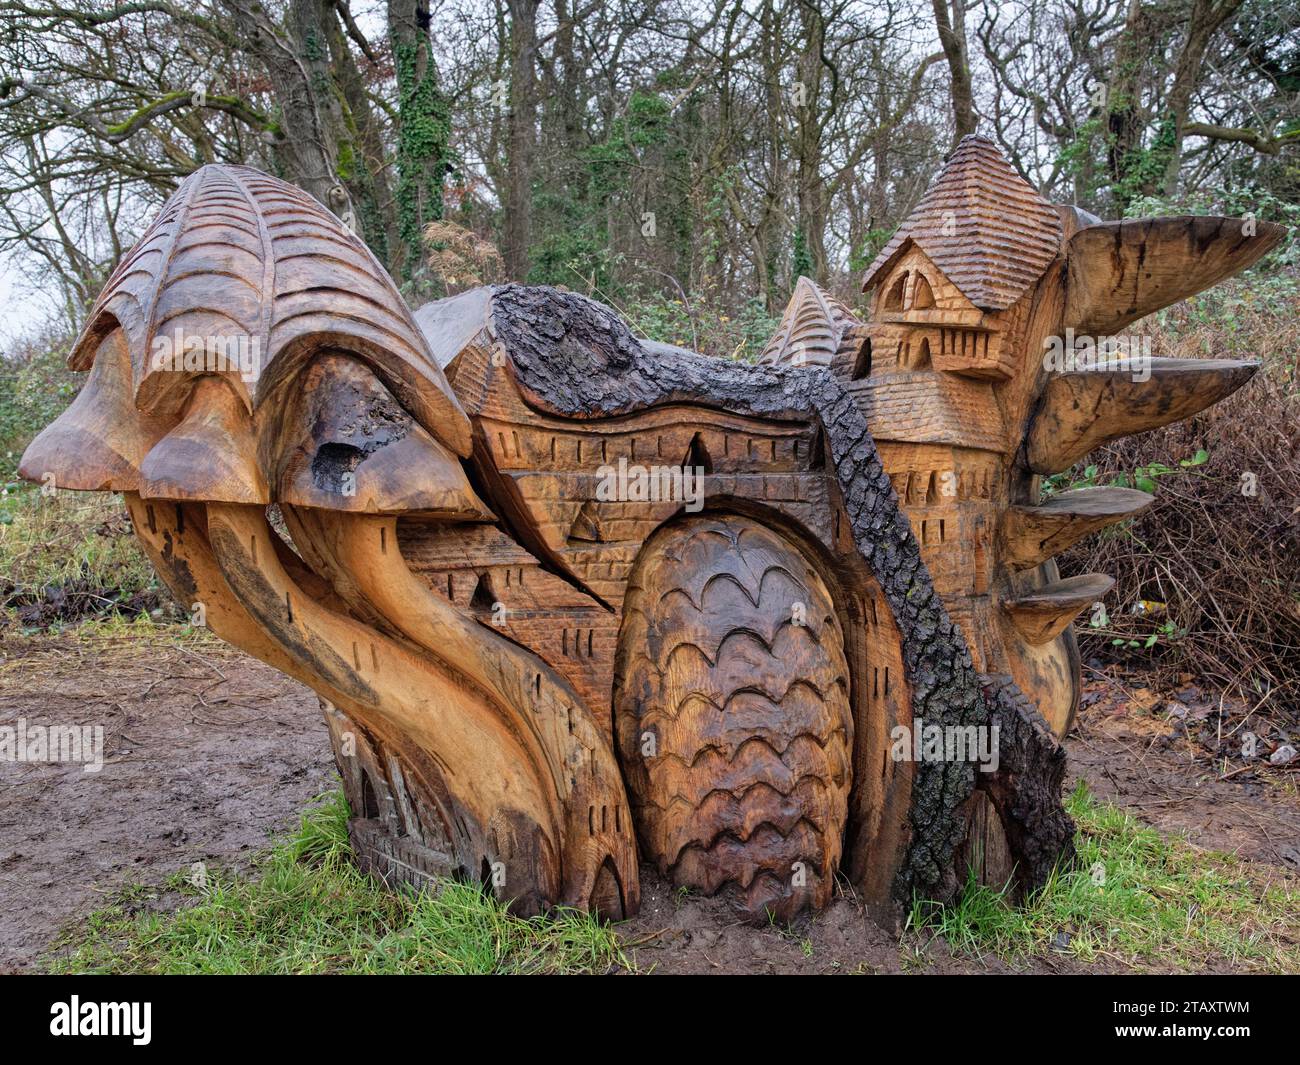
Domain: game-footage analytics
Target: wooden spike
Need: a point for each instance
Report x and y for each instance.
(1119, 272)
(346, 444)
(814, 330)
(587, 526)
(211, 455)
(1083, 409)
(98, 443)
(1031, 535)
(1044, 613)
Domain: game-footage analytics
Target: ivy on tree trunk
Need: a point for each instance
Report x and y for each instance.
(424, 125)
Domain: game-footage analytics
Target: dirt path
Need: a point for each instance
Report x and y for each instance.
(208, 753)
(1135, 753)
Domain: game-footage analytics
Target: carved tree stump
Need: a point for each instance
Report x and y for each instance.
(535, 647)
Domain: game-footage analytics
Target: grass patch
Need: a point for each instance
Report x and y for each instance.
(70, 556)
(1151, 900)
(308, 909)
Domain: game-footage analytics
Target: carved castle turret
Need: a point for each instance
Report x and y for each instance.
(950, 372)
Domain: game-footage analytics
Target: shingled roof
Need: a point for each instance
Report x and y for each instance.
(1001, 234)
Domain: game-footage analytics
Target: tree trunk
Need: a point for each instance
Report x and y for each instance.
(1125, 122)
(1206, 18)
(520, 139)
(952, 36)
(295, 59)
(424, 124)
(361, 150)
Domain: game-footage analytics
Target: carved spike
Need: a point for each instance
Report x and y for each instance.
(1122, 271)
(1044, 613)
(1034, 534)
(1083, 409)
(587, 526)
(346, 444)
(210, 455)
(814, 330)
(98, 443)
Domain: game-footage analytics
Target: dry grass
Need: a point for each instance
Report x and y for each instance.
(70, 556)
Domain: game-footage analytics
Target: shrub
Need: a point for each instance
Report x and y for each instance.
(1215, 564)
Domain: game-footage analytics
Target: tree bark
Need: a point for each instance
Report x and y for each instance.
(952, 36)
(520, 138)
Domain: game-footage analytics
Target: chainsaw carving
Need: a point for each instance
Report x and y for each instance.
(982, 281)
(542, 649)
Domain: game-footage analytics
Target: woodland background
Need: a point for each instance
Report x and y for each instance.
(686, 161)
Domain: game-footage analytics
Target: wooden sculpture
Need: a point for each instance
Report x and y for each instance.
(979, 292)
(574, 601)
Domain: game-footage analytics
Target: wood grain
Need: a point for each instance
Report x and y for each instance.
(1087, 408)
(1122, 271)
(1032, 535)
(236, 256)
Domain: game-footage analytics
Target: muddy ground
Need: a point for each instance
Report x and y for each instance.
(208, 753)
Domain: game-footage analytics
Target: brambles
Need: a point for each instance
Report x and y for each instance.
(1217, 549)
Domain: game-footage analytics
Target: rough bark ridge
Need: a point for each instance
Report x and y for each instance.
(576, 358)
(1026, 789)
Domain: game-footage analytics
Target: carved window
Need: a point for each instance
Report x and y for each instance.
(894, 297)
(922, 294)
(862, 365)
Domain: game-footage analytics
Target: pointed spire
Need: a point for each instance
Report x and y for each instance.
(815, 328)
(983, 225)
